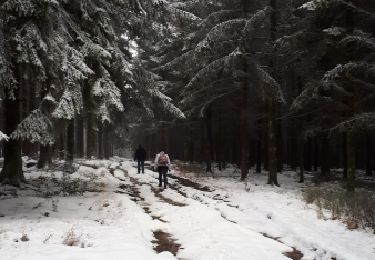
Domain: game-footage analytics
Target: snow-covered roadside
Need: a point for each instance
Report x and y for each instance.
(233, 221)
(281, 213)
(99, 224)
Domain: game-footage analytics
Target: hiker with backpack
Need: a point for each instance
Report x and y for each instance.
(140, 156)
(162, 165)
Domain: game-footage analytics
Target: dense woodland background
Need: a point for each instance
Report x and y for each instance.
(266, 84)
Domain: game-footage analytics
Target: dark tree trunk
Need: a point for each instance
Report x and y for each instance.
(272, 107)
(106, 142)
(70, 137)
(80, 144)
(279, 138)
(345, 157)
(350, 162)
(272, 146)
(243, 133)
(220, 144)
(90, 136)
(45, 150)
(100, 140)
(208, 140)
(12, 169)
(368, 155)
(324, 155)
(191, 146)
(316, 153)
(308, 155)
(265, 154)
(186, 144)
(45, 156)
(258, 151)
(301, 160)
(294, 148)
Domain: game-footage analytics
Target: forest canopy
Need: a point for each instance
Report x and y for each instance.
(265, 84)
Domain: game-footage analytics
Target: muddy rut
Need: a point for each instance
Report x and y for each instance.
(165, 241)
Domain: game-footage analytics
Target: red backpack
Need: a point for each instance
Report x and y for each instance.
(163, 160)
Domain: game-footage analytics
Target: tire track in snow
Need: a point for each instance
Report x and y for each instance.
(165, 240)
(295, 254)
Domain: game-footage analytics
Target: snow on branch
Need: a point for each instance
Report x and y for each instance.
(208, 72)
(184, 60)
(256, 22)
(95, 51)
(74, 66)
(225, 31)
(172, 109)
(27, 8)
(335, 31)
(348, 69)
(359, 40)
(3, 137)
(219, 17)
(304, 98)
(315, 5)
(108, 94)
(362, 121)
(271, 84)
(69, 105)
(151, 89)
(311, 5)
(166, 103)
(37, 128)
(178, 13)
(29, 45)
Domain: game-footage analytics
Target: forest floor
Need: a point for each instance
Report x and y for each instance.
(106, 209)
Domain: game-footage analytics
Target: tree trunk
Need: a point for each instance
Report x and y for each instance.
(265, 154)
(70, 137)
(258, 149)
(308, 155)
(316, 153)
(208, 140)
(279, 138)
(90, 136)
(45, 156)
(45, 151)
(325, 156)
(243, 133)
(220, 144)
(301, 160)
(345, 155)
(368, 155)
(100, 139)
(350, 162)
(106, 142)
(272, 146)
(80, 144)
(12, 169)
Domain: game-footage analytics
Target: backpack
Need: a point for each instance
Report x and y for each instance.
(163, 160)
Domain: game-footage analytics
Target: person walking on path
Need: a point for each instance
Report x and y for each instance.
(162, 165)
(140, 156)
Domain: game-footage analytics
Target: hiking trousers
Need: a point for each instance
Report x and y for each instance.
(163, 176)
(141, 166)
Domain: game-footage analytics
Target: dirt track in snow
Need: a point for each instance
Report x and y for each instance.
(167, 240)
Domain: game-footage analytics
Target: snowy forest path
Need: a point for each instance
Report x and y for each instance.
(185, 215)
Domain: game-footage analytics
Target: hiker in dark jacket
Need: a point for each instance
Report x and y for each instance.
(162, 164)
(140, 156)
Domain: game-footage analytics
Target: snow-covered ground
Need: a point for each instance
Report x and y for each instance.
(110, 211)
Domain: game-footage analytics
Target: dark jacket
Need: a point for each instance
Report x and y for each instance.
(140, 154)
